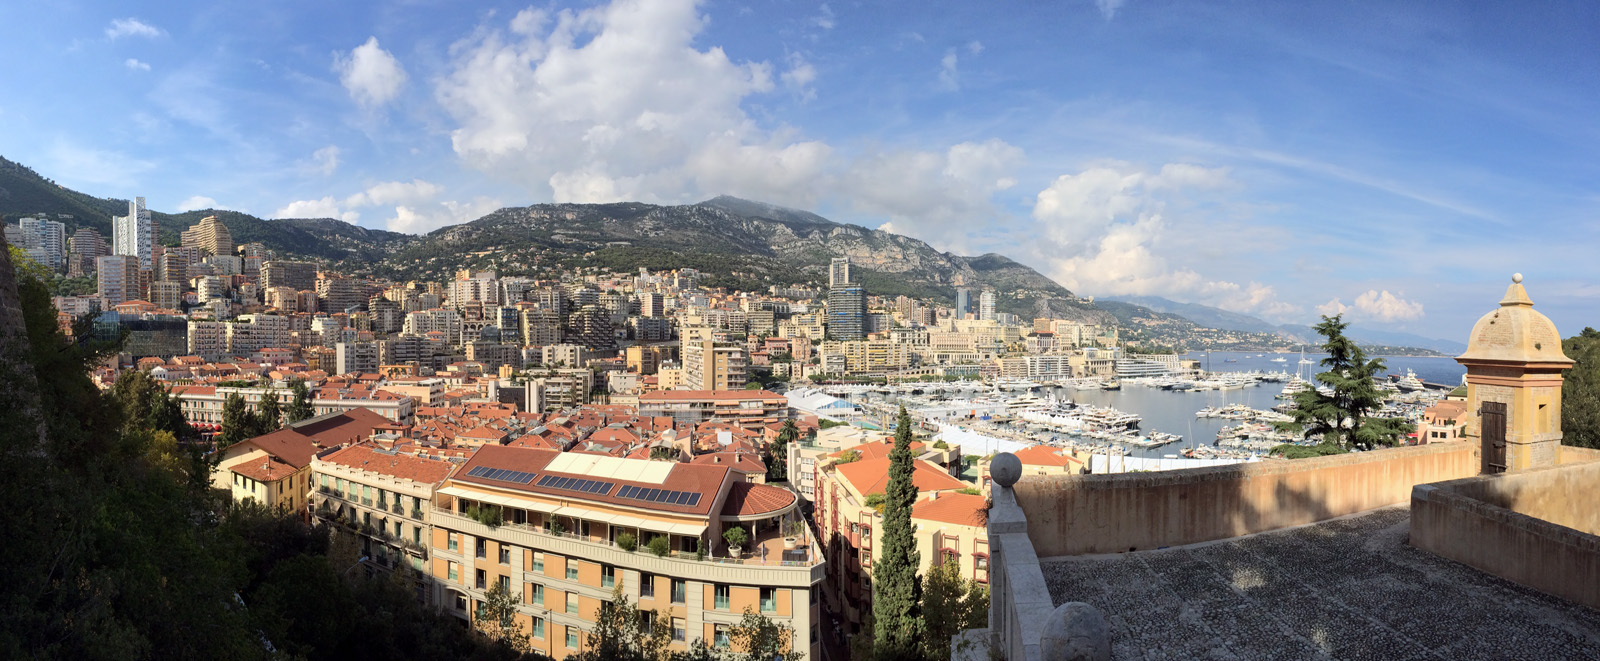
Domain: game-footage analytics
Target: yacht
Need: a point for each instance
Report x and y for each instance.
(1409, 382)
(1280, 359)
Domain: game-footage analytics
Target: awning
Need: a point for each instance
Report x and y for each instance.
(688, 529)
(624, 521)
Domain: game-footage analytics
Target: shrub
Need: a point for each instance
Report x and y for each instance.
(660, 546)
(488, 515)
(875, 501)
(699, 549)
(557, 529)
(627, 542)
(940, 444)
(736, 537)
(849, 456)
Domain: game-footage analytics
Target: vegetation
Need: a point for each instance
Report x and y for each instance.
(897, 630)
(950, 605)
(849, 456)
(875, 501)
(1293, 451)
(489, 515)
(776, 454)
(660, 546)
(1341, 418)
(497, 619)
(268, 416)
(736, 537)
(622, 632)
(300, 402)
(120, 549)
(970, 491)
(627, 542)
(830, 424)
(1580, 394)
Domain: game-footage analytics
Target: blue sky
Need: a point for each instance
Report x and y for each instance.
(1393, 160)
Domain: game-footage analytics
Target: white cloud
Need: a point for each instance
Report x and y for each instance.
(1108, 8)
(394, 192)
(325, 160)
(136, 65)
(1105, 231)
(949, 77)
(371, 74)
(132, 27)
(615, 102)
(199, 202)
(326, 207)
(799, 77)
(974, 47)
(824, 18)
(937, 197)
(1375, 305)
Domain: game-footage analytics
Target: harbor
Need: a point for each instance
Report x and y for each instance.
(1224, 415)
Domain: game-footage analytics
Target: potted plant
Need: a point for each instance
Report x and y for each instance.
(791, 541)
(660, 545)
(736, 538)
(627, 542)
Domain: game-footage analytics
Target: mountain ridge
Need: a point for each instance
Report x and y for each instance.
(1214, 317)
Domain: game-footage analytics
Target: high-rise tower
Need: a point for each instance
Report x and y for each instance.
(134, 235)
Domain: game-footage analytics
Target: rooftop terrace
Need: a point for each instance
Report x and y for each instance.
(1348, 588)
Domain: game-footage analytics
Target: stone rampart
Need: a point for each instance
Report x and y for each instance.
(1083, 514)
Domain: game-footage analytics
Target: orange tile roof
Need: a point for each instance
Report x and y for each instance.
(268, 469)
(367, 457)
(958, 508)
(876, 449)
(872, 476)
(1044, 455)
(705, 480)
(744, 462)
(750, 499)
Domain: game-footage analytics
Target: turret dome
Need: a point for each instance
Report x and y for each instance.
(1515, 333)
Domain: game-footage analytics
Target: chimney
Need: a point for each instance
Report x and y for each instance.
(933, 495)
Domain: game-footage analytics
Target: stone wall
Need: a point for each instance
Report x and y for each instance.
(1081, 514)
(1536, 527)
(1576, 455)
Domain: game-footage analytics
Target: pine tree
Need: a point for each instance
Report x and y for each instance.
(300, 406)
(238, 423)
(897, 625)
(1580, 393)
(268, 416)
(1342, 416)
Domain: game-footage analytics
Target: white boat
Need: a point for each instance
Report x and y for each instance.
(1280, 359)
(1409, 382)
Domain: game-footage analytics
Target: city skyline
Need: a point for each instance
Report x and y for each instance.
(1280, 162)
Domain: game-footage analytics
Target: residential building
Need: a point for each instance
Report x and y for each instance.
(697, 406)
(541, 327)
(963, 302)
(203, 404)
(135, 235)
(385, 498)
(708, 366)
(118, 279)
(253, 332)
(284, 273)
(839, 272)
(209, 235)
(361, 357)
(986, 310)
(45, 241)
(208, 339)
(1443, 422)
(422, 322)
(85, 246)
(274, 469)
(560, 516)
(847, 312)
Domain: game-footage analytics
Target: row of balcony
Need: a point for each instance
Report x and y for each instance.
(396, 507)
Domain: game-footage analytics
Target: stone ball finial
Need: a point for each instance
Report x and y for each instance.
(1005, 469)
(1517, 278)
(1075, 631)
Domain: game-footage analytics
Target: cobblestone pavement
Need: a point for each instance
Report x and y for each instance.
(1349, 588)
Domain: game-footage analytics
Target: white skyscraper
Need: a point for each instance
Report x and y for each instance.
(45, 241)
(134, 234)
(986, 305)
(839, 272)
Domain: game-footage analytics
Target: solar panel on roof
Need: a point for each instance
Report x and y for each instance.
(694, 499)
(683, 497)
(627, 491)
(651, 494)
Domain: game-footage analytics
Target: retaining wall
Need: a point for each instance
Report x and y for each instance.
(1082, 514)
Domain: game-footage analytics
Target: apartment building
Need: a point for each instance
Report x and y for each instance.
(209, 235)
(298, 276)
(385, 497)
(697, 406)
(253, 332)
(203, 404)
(947, 525)
(559, 517)
(707, 366)
(274, 469)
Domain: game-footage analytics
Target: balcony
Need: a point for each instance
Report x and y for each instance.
(772, 571)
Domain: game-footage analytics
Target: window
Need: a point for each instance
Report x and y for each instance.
(383, 499)
(572, 603)
(366, 495)
(453, 542)
(455, 572)
(505, 583)
(538, 562)
(720, 597)
(680, 630)
(416, 507)
(505, 554)
(572, 638)
(461, 600)
(366, 517)
(769, 600)
(583, 528)
(608, 576)
(572, 569)
(813, 634)
(647, 585)
(536, 594)
(398, 529)
(416, 535)
(720, 636)
(483, 579)
(482, 549)
(538, 628)
(680, 591)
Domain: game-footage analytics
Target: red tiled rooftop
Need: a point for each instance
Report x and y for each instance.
(961, 509)
(365, 456)
(750, 499)
(1044, 455)
(872, 476)
(705, 480)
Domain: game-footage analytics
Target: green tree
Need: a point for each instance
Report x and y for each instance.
(497, 619)
(761, 639)
(777, 452)
(300, 403)
(950, 605)
(1342, 416)
(238, 423)
(269, 417)
(624, 633)
(897, 630)
(1580, 393)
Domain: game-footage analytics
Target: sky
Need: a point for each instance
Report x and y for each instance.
(1395, 162)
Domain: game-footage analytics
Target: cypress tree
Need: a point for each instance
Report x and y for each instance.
(897, 624)
(300, 405)
(268, 416)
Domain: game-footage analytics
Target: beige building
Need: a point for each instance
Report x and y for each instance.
(382, 496)
(707, 366)
(209, 235)
(275, 469)
(559, 517)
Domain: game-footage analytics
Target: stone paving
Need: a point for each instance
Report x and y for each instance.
(1350, 588)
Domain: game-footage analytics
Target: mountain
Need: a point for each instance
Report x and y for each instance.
(1210, 317)
(1203, 315)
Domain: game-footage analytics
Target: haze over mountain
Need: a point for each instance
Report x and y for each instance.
(1211, 317)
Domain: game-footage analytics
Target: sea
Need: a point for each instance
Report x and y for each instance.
(1173, 411)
